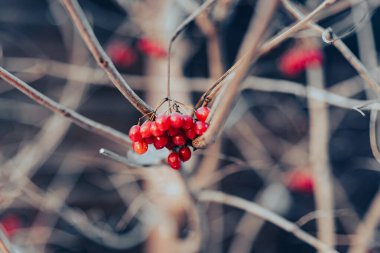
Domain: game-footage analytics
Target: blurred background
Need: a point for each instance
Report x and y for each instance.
(72, 199)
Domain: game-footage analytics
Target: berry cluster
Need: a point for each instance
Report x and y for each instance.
(174, 132)
(297, 60)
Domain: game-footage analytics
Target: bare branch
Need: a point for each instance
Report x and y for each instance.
(75, 117)
(219, 197)
(87, 34)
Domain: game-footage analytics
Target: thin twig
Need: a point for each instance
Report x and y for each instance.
(87, 34)
(219, 197)
(5, 244)
(75, 117)
(250, 44)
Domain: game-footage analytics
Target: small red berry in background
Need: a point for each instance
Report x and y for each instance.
(202, 113)
(10, 224)
(297, 60)
(300, 181)
(151, 48)
(121, 54)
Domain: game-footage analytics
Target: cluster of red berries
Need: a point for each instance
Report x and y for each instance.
(174, 132)
(297, 60)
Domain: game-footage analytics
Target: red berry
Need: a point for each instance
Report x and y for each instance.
(154, 130)
(184, 153)
(176, 120)
(187, 122)
(200, 127)
(179, 140)
(140, 147)
(202, 113)
(174, 161)
(163, 122)
(173, 131)
(10, 224)
(300, 181)
(190, 133)
(159, 142)
(148, 140)
(121, 54)
(134, 133)
(170, 145)
(145, 129)
(151, 48)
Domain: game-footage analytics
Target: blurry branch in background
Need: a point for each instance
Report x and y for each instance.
(319, 160)
(331, 38)
(243, 65)
(220, 111)
(5, 245)
(214, 89)
(87, 34)
(220, 197)
(75, 117)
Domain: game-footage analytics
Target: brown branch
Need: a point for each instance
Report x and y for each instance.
(219, 197)
(5, 245)
(250, 44)
(75, 117)
(318, 147)
(87, 34)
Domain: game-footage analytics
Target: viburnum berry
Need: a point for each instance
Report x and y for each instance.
(145, 129)
(140, 147)
(174, 160)
(151, 48)
(179, 140)
(173, 131)
(121, 54)
(187, 122)
(200, 127)
(184, 154)
(148, 140)
(154, 130)
(176, 120)
(300, 181)
(170, 145)
(202, 113)
(134, 133)
(159, 142)
(296, 60)
(163, 122)
(190, 133)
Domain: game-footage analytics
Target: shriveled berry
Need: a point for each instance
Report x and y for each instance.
(134, 133)
(145, 129)
(179, 140)
(176, 120)
(187, 122)
(200, 127)
(154, 130)
(202, 113)
(140, 147)
(184, 153)
(190, 133)
(163, 122)
(174, 161)
(159, 142)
